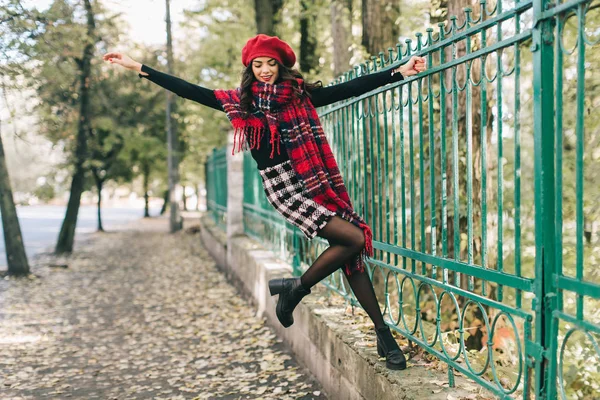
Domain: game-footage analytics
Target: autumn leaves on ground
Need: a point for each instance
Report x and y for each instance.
(139, 314)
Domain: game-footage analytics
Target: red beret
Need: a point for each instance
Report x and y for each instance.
(262, 45)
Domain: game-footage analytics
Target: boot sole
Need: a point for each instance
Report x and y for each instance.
(396, 367)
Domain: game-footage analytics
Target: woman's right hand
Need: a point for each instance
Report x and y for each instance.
(123, 60)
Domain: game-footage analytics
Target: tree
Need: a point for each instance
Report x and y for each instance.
(381, 25)
(67, 230)
(308, 36)
(266, 14)
(341, 22)
(105, 151)
(227, 28)
(144, 150)
(372, 35)
(13, 239)
(172, 139)
(457, 225)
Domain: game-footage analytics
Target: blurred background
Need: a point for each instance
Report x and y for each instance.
(105, 143)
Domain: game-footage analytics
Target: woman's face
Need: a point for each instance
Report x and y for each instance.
(265, 69)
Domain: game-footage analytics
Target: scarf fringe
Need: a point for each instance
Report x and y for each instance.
(274, 140)
(358, 263)
(246, 138)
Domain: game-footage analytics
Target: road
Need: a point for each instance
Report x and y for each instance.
(40, 225)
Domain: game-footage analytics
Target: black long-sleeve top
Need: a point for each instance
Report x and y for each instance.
(319, 97)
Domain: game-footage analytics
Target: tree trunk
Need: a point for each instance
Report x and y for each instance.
(266, 15)
(165, 202)
(99, 184)
(390, 30)
(372, 35)
(173, 141)
(308, 42)
(198, 197)
(67, 231)
(340, 32)
(13, 239)
(146, 173)
(184, 200)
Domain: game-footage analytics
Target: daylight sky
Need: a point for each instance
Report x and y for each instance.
(146, 17)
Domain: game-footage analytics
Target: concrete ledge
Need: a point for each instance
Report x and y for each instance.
(322, 336)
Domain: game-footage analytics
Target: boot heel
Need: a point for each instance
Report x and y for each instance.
(275, 286)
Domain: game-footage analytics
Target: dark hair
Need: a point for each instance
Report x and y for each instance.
(285, 74)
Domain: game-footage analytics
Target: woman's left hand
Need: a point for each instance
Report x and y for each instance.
(412, 67)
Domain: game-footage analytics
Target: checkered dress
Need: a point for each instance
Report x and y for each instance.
(287, 194)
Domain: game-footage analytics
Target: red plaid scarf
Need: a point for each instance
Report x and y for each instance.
(305, 143)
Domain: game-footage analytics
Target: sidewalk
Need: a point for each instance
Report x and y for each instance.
(139, 314)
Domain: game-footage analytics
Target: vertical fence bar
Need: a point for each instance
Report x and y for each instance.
(443, 166)
(517, 155)
(500, 200)
(421, 159)
(558, 217)
(386, 180)
(558, 249)
(543, 128)
(370, 173)
(456, 219)
(394, 157)
(356, 155)
(411, 152)
(469, 134)
(579, 152)
(376, 172)
(430, 97)
(483, 133)
(365, 103)
(402, 172)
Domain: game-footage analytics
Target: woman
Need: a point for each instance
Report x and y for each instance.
(303, 182)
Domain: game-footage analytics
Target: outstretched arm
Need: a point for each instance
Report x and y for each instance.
(172, 83)
(363, 84)
(181, 87)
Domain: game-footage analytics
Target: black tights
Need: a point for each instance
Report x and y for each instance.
(346, 241)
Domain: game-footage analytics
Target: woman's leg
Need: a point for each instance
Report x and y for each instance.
(346, 240)
(365, 294)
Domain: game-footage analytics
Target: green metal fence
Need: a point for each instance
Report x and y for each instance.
(479, 180)
(216, 186)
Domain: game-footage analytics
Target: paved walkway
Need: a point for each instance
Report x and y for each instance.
(139, 314)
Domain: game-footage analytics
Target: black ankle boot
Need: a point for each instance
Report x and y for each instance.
(290, 292)
(388, 348)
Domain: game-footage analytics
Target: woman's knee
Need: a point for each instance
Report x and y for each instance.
(358, 240)
(340, 231)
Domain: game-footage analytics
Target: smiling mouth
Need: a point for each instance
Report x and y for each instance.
(267, 78)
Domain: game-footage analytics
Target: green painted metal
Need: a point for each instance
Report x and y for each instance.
(216, 186)
(476, 178)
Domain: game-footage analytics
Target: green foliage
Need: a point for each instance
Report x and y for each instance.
(213, 60)
(45, 192)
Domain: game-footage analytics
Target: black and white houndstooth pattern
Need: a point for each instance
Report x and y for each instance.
(286, 193)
